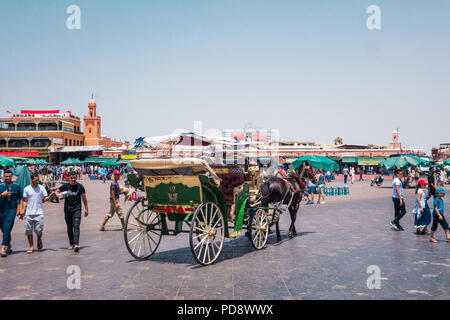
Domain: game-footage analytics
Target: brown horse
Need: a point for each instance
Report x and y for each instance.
(288, 191)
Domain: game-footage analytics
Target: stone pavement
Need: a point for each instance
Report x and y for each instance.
(337, 242)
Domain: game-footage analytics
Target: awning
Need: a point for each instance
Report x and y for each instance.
(369, 161)
(98, 160)
(289, 160)
(75, 149)
(264, 160)
(349, 160)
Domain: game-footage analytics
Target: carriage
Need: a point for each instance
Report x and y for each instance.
(214, 203)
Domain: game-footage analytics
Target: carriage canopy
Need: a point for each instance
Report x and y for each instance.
(173, 166)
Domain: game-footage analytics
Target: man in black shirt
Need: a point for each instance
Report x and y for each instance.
(73, 192)
(431, 184)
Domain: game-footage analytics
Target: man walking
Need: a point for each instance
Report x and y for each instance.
(397, 198)
(431, 184)
(103, 172)
(10, 198)
(114, 205)
(345, 171)
(33, 197)
(73, 192)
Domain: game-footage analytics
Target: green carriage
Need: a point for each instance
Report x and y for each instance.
(214, 204)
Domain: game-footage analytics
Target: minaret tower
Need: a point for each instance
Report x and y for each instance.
(92, 125)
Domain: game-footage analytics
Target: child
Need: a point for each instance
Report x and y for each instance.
(321, 186)
(311, 188)
(438, 215)
(422, 214)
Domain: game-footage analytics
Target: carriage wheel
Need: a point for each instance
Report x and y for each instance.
(140, 237)
(259, 226)
(207, 233)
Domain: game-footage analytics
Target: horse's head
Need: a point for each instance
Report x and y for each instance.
(307, 172)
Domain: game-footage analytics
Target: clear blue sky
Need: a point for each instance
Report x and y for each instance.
(309, 68)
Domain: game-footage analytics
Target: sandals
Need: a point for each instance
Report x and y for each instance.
(70, 248)
(433, 240)
(8, 250)
(39, 245)
(3, 254)
(30, 251)
(76, 248)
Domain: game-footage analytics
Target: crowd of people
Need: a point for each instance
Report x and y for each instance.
(61, 172)
(422, 212)
(27, 203)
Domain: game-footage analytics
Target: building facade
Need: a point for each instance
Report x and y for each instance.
(32, 132)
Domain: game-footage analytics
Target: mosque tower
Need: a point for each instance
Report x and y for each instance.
(92, 125)
(395, 144)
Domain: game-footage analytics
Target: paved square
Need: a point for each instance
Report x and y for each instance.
(337, 242)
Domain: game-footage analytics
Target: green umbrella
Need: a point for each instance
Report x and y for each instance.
(24, 177)
(317, 162)
(30, 162)
(6, 161)
(110, 164)
(447, 162)
(401, 161)
(67, 162)
(97, 160)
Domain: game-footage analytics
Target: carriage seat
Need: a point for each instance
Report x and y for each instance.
(230, 179)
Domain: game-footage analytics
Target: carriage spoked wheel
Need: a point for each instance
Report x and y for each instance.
(207, 233)
(142, 231)
(259, 229)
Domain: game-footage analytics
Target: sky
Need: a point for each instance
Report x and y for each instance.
(311, 69)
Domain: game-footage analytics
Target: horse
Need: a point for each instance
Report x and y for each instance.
(286, 190)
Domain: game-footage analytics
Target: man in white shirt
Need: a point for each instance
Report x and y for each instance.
(398, 199)
(33, 197)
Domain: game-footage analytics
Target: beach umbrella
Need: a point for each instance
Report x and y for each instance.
(317, 162)
(24, 177)
(6, 161)
(401, 161)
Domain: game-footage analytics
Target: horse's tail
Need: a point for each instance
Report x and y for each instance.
(265, 193)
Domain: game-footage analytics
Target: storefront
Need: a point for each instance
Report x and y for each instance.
(59, 154)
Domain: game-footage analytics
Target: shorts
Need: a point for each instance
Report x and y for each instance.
(34, 222)
(436, 221)
(311, 190)
(113, 210)
(321, 186)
